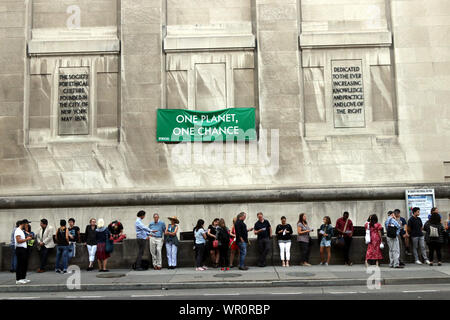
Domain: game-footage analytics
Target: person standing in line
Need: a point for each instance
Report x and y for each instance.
(434, 237)
(200, 240)
(20, 244)
(74, 237)
(392, 232)
(242, 239)
(447, 230)
(13, 248)
(344, 228)
(263, 230)
(233, 245)
(211, 237)
(304, 239)
(326, 231)
(30, 243)
(157, 229)
(142, 234)
(418, 240)
(45, 244)
(223, 236)
(373, 248)
(172, 242)
(102, 235)
(91, 242)
(284, 235)
(62, 247)
(404, 237)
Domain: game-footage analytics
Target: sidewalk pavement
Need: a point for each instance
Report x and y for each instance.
(188, 278)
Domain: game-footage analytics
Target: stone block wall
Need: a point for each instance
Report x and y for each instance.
(274, 55)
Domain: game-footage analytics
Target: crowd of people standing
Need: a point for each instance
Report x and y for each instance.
(222, 244)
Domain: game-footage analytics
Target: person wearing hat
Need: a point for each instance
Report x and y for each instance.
(20, 243)
(172, 241)
(62, 247)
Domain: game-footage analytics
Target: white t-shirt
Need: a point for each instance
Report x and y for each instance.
(20, 233)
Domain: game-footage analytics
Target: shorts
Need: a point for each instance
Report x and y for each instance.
(325, 243)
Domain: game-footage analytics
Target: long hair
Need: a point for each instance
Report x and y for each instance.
(300, 219)
(373, 219)
(222, 223)
(328, 219)
(435, 218)
(199, 225)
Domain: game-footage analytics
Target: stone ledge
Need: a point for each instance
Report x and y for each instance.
(184, 43)
(387, 192)
(316, 40)
(62, 47)
(60, 41)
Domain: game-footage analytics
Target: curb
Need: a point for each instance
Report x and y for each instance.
(230, 284)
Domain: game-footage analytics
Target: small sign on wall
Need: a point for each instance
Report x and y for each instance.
(348, 93)
(73, 101)
(421, 198)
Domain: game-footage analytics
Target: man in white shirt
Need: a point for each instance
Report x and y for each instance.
(20, 242)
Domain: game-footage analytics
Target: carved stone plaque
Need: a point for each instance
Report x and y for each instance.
(73, 101)
(348, 93)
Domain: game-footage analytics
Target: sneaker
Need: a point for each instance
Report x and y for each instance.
(199, 269)
(243, 268)
(222, 269)
(228, 269)
(63, 272)
(427, 261)
(20, 282)
(306, 264)
(399, 267)
(26, 280)
(326, 264)
(418, 262)
(58, 271)
(431, 264)
(439, 264)
(205, 267)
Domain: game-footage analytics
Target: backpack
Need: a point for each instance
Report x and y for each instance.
(223, 237)
(391, 231)
(434, 232)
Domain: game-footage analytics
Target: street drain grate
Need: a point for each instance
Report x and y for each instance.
(111, 275)
(227, 275)
(300, 274)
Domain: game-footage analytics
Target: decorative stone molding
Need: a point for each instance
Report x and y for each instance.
(78, 41)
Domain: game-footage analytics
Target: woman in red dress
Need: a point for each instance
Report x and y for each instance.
(233, 246)
(373, 248)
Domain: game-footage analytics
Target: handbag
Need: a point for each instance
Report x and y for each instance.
(340, 242)
(215, 243)
(367, 237)
(109, 246)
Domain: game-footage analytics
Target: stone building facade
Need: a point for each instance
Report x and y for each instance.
(351, 98)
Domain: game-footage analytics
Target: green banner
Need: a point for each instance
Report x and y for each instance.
(176, 125)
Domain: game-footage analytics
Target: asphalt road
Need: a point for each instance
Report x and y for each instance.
(409, 292)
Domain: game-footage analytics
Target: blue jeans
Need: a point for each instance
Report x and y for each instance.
(242, 253)
(13, 258)
(64, 251)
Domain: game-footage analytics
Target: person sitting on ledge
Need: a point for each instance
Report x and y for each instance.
(116, 229)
